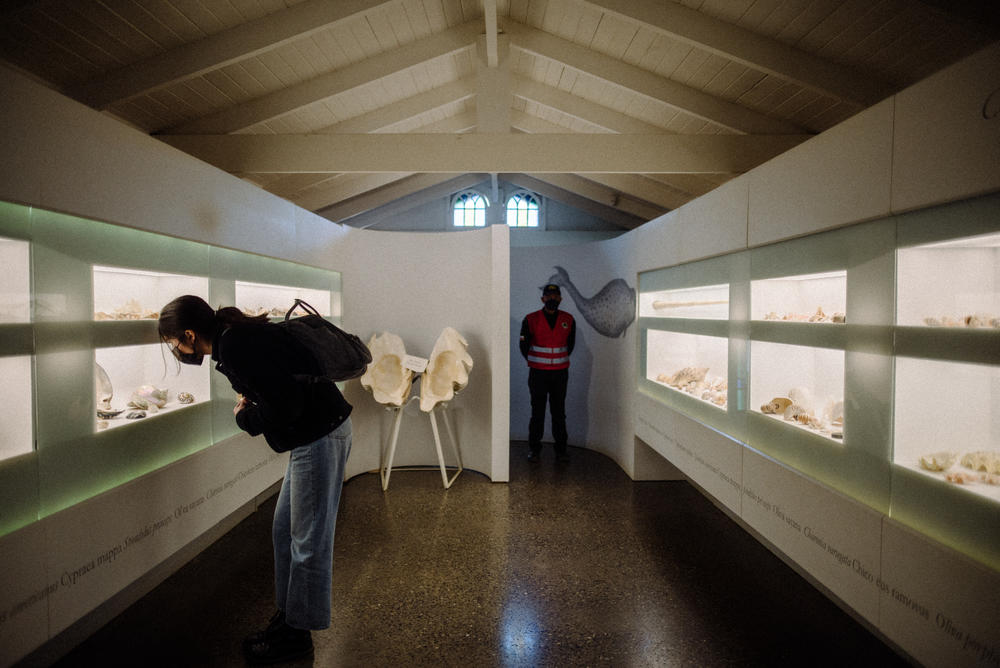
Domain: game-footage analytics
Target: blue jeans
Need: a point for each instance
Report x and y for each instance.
(304, 523)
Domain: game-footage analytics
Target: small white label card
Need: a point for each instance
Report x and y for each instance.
(415, 364)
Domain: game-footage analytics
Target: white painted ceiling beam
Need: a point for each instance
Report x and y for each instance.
(479, 152)
(490, 19)
(689, 100)
(344, 188)
(493, 90)
(406, 109)
(599, 207)
(755, 51)
(398, 196)
(327, 85)
(597, 192)
(219, 50)
(643, 189)
(580, 108)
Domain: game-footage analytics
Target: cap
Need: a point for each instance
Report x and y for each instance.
(551, 289)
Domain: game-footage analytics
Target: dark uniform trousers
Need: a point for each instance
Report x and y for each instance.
(548, 385)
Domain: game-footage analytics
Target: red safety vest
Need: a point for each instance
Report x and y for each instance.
(549, 348)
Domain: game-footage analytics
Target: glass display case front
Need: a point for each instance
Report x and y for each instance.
(952, 283)
(947, 423)
(16, 433)
(134, 294)
(815, 298)
(709, 302)
(15, 289)
(142, 382)
(690, 363)
(799, 386)
(275, 300)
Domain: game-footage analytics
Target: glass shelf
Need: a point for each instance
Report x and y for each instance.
(692, 364)
(134, 294)
(275, 300)
(950, 284)
(947, 423)
(812, 298)
(130, 368)
(799, 386)
(710, 302)
(15, 289)
(16, 433)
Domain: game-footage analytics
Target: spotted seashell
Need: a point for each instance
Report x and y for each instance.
(185, 397)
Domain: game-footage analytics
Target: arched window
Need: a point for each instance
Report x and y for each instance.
(522, 210)
(469, 209)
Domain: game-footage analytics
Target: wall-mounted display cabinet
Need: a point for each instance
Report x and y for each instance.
(93, 398)
(871, 358)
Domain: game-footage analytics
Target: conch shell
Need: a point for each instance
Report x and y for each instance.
(386, 377)
(776, 406)
(447, 371)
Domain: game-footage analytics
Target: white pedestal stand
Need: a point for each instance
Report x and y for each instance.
(386, 467)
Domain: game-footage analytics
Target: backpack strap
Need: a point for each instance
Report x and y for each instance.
(305, 307)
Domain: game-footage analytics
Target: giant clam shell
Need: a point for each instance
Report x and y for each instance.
(386, 377)
(447, 371)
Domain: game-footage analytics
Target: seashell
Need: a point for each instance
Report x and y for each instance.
(932, 322)
(102, 386)
(961, 478)
(990, 478)
(818, 316)
(101, 424)
(772, 315)
(139, 403)
(108, 414)
(688, 374)
(938, 461)
(447, 371)
(839, 317)
(151, 395)
(948, 321)
(793, 412)
(135, 415)
(386, 377)
(803, 397)
(776, 406)
(982, 460)
(185, 397)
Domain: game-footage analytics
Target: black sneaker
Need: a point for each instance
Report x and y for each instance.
(533, 457)
(280, 645)
(276, 622)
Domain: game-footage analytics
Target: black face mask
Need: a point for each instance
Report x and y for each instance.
(552, 304)
(194, 359)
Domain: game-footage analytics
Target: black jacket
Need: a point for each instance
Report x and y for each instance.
(289, 402)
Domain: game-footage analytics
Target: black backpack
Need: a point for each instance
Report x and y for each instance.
(340, 355)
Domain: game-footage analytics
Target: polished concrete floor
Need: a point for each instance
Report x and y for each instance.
(568, 565)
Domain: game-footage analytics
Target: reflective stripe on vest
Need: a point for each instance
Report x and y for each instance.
(549, 349)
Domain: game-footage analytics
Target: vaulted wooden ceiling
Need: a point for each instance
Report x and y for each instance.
(621, 108)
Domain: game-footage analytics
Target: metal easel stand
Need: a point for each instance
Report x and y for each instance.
(386, 468)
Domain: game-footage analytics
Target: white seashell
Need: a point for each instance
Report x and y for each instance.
(185, 397)
(818, 316)
(447, 371)
(982, 460)
(135, 415)
(938, 461)
(386, 377)
(803, 397)
(793, 411)
(151, 395)
(776, 406)
(834, 411)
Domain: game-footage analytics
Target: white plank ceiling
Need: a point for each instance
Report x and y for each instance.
(298, 96)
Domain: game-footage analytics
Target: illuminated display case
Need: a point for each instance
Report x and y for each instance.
(814, 298)
(78, 335)
(692, 342)
(946, 417)
(275, 300)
